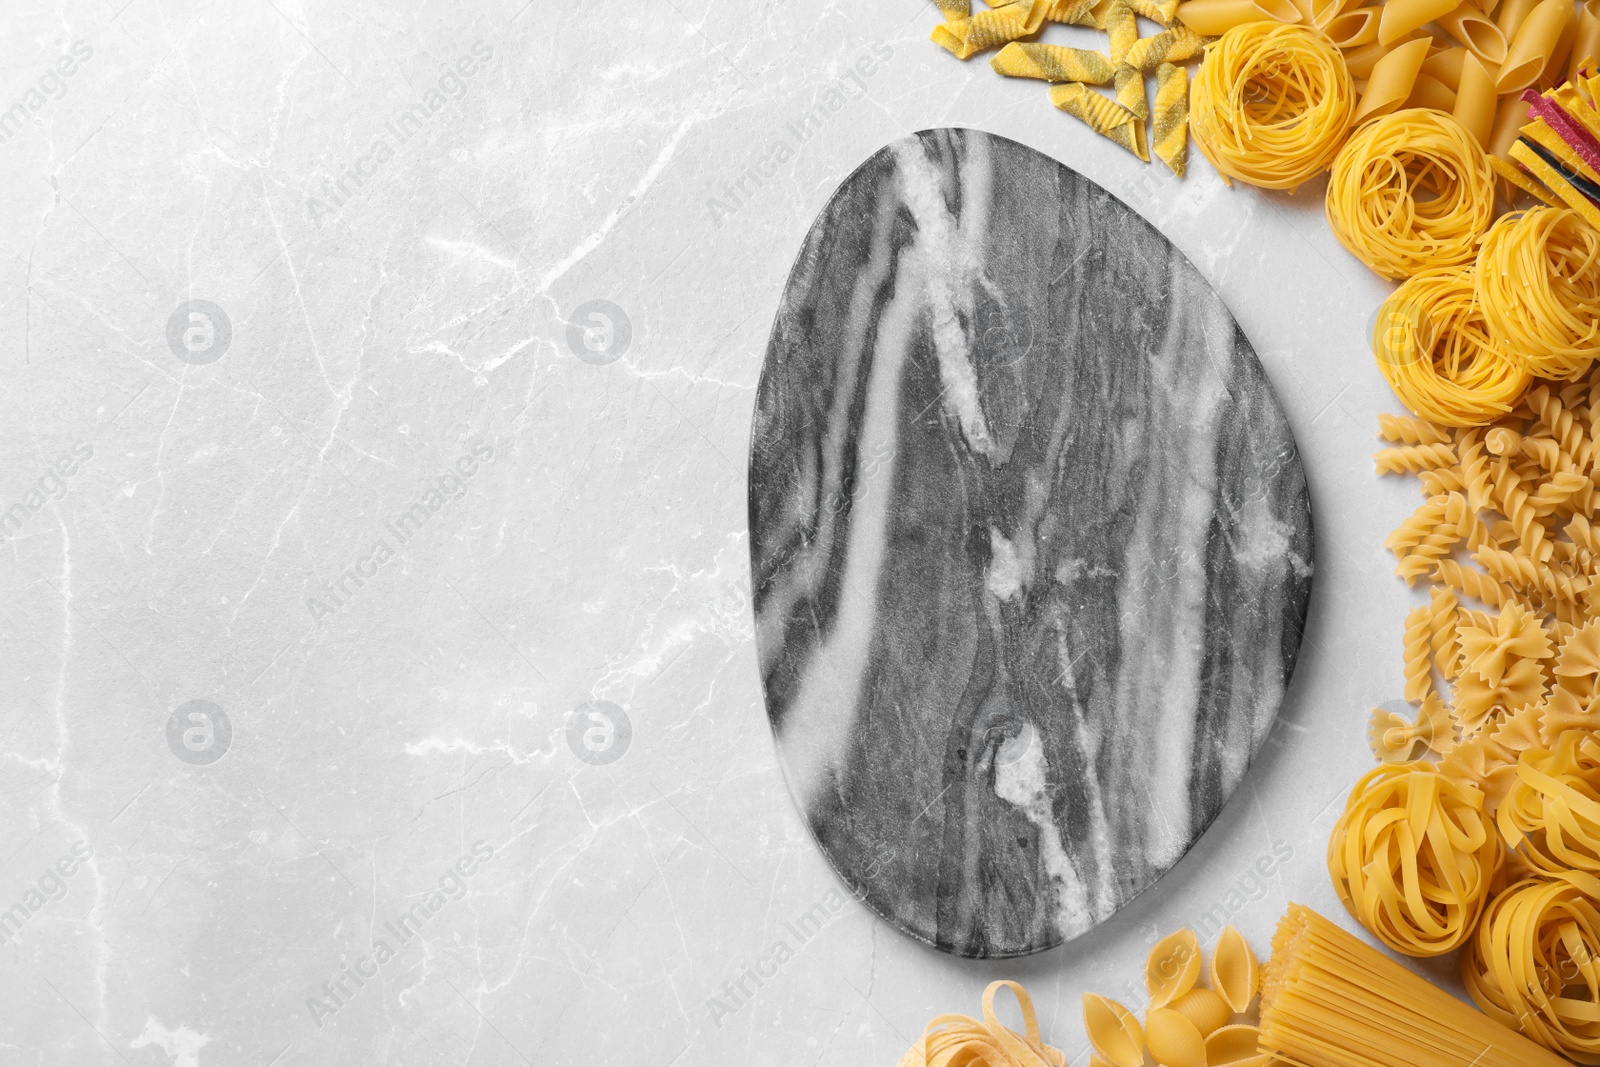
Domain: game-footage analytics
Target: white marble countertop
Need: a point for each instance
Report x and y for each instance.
(376, 509)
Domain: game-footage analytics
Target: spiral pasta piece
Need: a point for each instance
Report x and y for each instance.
(1522, 572)
(1271, 104)
(1404, 430)
(1410, 190)
(1534, 964)
(1413, 856)
(1538, 283)
(1412, 459)
(1475, 584)
(1418, 655)
(1433, 345)
(1405, 538)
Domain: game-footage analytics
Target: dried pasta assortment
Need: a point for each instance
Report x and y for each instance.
(1430, 115)
(1330, 1000)
(1186, 1024)
(1480, 828)
(1462, 141)
(1277, 103)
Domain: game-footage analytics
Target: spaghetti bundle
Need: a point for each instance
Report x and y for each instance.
(1535, 963)
(1433, 345)
(1413, 857)
(1410, 190)
(1329, 1000)
(1271, 104)
(1538, 282)
(962, 1041)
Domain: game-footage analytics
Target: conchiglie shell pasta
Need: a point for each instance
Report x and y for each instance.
(1205, 1008)
(1174, 1041)
(1113, 1031)
(1236, 1046)
(1172, 968)
(1234, 972)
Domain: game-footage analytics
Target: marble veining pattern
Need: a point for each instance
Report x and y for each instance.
(1030, 540)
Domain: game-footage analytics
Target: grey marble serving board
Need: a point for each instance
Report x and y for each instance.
(1030, 542)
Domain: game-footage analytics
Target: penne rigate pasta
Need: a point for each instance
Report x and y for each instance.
(1445, 65)
(1429, 92)
(1586, 41)
(1475, 100)
(1400, 17)
(1476, 31)
(1555, 66)
(1508, 122)
(1352, 29)
(1213, 18)
(1325, 11)
(1392, 78)
(1532, 45)
(1360, 61)
(1511, 15)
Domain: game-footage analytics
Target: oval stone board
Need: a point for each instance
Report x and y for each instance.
(1030, 542)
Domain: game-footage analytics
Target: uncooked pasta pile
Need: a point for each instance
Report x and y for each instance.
(1480, 829)
(1505, 653)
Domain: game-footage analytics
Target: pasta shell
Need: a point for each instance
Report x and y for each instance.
(1234, 972)
(1172, 968)
(1113, 1031)
(1174, 1041)
(1205, 1008)
(1236, 1046)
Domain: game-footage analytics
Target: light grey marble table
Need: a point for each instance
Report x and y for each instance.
(379, 676)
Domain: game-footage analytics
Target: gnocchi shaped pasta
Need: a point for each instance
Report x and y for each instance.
(1113, 1031)
(1234, 971)
(1172, 968)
